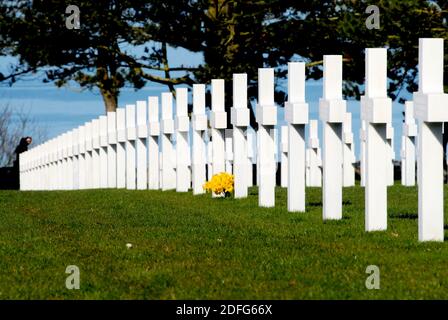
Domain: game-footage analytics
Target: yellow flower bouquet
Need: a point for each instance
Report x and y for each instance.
(220, 184)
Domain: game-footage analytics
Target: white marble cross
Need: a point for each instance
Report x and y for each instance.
(88, 157)
(103, 152)
(296, 115)
(183, 178)
(218, 123)
(266, 114)
(376, 111)
(332, 109)
(199, 125)
(131, 136)
(168, 153)
(141, 145)
(121, 147)
(96, 161)
(111, 150)
(240, 122)
(431, 110)
(82, 166)
(153, 143)
(75, 159)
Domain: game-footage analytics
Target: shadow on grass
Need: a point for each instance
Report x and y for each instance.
(404, 215)
(315, 204)
(319, 203)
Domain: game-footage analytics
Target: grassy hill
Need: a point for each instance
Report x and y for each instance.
(196, 247)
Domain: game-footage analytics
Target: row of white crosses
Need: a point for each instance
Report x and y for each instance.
(121, 149)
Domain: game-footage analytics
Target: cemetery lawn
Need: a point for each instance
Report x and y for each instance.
(196, 247)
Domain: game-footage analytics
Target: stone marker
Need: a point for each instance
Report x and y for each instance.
(54, 165)
(96, 161)
(38, 165)
(68, 151)
(240, 122)
(183, 178)
(153, 143)
(49, 159)
(131, 135)
(88, 155)
(199, 125)
(140, 145)
(82, 157)
(168, 153)
(296, 115)
(63, 163)
(218, 123)
(121, 147)
(332, 109)
(111, 150)
(431, 110)
(75, 159)
(103, 152)
(266, 114)
(376, 112)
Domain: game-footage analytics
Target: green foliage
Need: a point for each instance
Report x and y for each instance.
(98, 54)
(234, 36)
(198, 247)
(402, 24)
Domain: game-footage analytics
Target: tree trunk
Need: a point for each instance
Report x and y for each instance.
(110, 100)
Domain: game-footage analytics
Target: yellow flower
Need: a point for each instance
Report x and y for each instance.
(220, 183)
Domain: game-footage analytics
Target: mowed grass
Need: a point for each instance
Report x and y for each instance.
(196, 247)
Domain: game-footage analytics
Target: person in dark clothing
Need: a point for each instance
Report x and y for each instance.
(22, 147)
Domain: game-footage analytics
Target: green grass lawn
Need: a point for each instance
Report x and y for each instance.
(196, 247)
